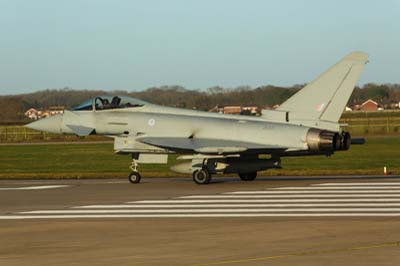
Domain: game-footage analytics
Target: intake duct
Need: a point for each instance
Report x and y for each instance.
(323, 141)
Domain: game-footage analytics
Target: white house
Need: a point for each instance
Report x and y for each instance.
(32, 113)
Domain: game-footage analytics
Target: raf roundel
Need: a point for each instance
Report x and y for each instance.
(319, 107)
(151, 122)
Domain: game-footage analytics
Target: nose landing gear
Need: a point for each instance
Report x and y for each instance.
(134, 177)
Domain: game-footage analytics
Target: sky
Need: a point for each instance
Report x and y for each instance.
(133, 45)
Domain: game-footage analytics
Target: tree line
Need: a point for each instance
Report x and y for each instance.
(13, 107)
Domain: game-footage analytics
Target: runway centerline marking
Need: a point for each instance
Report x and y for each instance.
(34, 187)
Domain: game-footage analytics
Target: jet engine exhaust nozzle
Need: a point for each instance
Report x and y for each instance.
(323, 141)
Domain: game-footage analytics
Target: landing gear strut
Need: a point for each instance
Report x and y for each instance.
(248, 176)
(134, 176)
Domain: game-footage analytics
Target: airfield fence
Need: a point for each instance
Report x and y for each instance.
(372, 126)
(18, 134)
(358, 124)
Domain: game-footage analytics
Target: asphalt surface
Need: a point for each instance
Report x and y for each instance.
(271, 221)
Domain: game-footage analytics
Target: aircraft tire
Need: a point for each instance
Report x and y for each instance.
(201, 177)
(248, 176)
(134, 177)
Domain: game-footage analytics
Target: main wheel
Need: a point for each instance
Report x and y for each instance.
(248, 176)
(201, 176)
(134, 177)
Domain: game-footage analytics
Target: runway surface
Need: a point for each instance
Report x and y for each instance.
(284, 221)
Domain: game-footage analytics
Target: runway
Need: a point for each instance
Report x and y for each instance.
(361, 199)
(306, 221)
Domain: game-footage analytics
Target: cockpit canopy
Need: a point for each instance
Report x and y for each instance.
(110, 102)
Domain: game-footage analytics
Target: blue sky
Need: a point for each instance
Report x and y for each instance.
(133, 45)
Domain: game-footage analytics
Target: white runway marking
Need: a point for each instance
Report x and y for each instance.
(208, 215)
(261, 200)
(230, 210)
(310, 195)
(335, 187)
(34, 187)
(318, 200)
(360, 184)
(171, 206)
(310, 192)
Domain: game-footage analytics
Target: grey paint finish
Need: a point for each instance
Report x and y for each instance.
(185, 127)
(306, 124)
(325, 98)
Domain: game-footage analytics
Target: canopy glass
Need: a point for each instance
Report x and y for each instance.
(110, 102)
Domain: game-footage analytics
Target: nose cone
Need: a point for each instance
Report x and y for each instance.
(51, 124)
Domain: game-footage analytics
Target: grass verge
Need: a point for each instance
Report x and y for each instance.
(76, 161)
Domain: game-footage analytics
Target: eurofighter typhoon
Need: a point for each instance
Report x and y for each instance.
(209, 143)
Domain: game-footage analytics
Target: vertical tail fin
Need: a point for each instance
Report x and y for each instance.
(325, 98)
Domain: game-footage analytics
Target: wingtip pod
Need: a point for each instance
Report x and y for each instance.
(357, 56)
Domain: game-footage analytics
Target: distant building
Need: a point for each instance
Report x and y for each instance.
(34, 114)
(250, 110)
(391, 106)
(55, 110)
(44, 114)
(233, 110)
(217, 109)
(236, 110)
(369, 106)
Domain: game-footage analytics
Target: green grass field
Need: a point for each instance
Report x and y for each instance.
(98, 161)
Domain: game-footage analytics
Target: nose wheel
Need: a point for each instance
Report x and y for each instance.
(134, 177)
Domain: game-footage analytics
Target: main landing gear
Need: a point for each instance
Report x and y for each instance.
(134, 176)
(248, 176)
(202, 176)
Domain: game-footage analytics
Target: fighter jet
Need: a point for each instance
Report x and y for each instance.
(209, 143)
